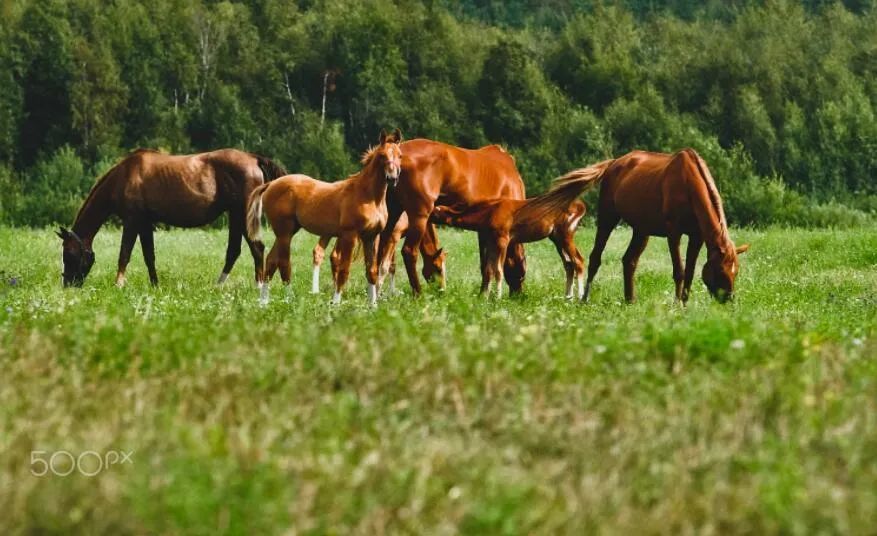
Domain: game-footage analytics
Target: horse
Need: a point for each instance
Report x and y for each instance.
(659, 194)
(352, 209)
(149, 187)
(435, 172)
(505, 221)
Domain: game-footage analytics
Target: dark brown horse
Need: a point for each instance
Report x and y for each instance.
(660, 194)
(435, 172)
(505, 221)
(148, 187)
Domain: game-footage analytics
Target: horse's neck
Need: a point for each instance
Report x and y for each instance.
(712, 229)
(94, 212)
(371, 183)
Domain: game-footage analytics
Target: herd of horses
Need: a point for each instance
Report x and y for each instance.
(404, 189)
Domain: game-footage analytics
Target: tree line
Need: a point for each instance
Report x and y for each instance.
(778, 96)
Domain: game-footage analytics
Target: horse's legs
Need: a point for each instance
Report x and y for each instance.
(147, 244)
(573, 263)
(411, 249)
(370, 252)
(695, 242)
(629, 261)
(257, 250)
(515, 267)
(502, 247)
(334, 260)
(344, 245)
(278, 257)
(129, 237)
(233, 250)
(319, 253)
(387, 263)
(483, 254)
(387, 243)
(605, 226)
(673, 240)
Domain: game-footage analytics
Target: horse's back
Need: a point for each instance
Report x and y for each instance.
(460, 174)
(647, 188)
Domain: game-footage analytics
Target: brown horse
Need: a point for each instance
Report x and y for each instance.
(352, 209)
(149, 187)
(435, 172)
(505, 221)
(660, 194)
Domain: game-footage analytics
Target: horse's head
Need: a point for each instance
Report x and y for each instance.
(434, 267)
(720, 271)
(388, 155)
(443, 215)
(77, 258)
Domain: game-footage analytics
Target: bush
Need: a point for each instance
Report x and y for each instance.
(55, 189)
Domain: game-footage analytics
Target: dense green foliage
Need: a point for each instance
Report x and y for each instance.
(447, 414)
(779, 96)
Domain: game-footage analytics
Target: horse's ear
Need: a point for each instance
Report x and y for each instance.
(743, 249)
(383, 137)
(398, 135)
(439, 252)
(62, 233)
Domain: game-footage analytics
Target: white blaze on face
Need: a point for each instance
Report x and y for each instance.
(574, 223)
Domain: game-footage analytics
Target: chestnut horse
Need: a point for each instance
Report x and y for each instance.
(149, 187)
(660, 194)
(352, 209)
(435, 172)
(504, 221)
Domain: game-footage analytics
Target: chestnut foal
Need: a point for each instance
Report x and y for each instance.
(352, 209)
(503, 221)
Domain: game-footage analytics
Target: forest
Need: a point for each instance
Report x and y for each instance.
(779, 97)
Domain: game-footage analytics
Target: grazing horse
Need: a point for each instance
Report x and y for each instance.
(353, 209)
(660, 194)
(435, 172)
(149, 187)
(505, 221)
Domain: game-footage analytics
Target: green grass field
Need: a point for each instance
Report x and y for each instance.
(445, 414)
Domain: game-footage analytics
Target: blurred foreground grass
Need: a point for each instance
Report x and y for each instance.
(445, 414)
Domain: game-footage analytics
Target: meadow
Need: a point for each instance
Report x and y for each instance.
(446, 414)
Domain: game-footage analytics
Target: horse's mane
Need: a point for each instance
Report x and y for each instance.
(369, 154)
(103, 179)
(713, 193)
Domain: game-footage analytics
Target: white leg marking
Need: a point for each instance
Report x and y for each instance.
(392, 284)
(499, 281)
(263, 293)
(444, 275)
(120, 280)
(581, 285)
(315, 280)
(336, 298)
(568, 285)
(372, 295)
(222, 277)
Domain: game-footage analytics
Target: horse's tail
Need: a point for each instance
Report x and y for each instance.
(270, 169)
(254, 213)
(564, 191)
